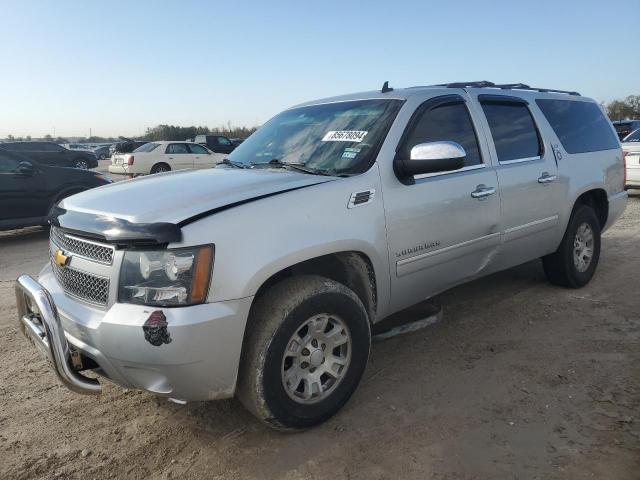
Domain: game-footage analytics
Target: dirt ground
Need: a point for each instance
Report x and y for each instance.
(520, 380)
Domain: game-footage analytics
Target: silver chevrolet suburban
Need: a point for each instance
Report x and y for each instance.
(262, 278)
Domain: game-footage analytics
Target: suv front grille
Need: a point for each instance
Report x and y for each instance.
(84, 286)
(83, 248)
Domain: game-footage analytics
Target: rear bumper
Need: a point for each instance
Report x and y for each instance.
(199, 362)
(120, 169)
(633, 177)
(617, 204)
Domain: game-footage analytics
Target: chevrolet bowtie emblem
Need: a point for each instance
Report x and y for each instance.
(61, 259)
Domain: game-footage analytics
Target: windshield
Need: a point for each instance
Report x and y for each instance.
(633, 137)
(335, 138)
(147, 147)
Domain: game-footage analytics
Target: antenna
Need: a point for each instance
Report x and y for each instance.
(386, 88)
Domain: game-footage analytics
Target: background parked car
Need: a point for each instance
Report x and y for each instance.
(631, 151)
(102, 152)
(49, 153)
(216, 143)
(29, 188)
(625, 127)
(125, 146)
(157, 157)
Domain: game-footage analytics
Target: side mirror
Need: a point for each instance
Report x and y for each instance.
(432, 157)
(25, 168)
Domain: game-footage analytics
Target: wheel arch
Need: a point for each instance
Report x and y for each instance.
(597, 199)
(353, 269)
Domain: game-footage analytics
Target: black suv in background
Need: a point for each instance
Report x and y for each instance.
(215, 143)
(625, 127)
(29, 188)
(49, 153)
(126, 145)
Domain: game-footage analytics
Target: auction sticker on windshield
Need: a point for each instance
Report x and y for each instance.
(344, 136)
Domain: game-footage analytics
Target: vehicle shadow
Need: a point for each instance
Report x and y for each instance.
(8, 237)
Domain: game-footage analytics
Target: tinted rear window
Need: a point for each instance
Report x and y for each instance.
(580, 126)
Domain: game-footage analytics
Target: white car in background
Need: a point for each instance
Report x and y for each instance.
(157, 157)
(631, 152)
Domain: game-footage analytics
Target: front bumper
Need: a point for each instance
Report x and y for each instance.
(199, 363)
(40, 323)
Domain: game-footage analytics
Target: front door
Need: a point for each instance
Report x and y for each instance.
(527, 176)
(443, 228)
(21, 195)
(203, 158)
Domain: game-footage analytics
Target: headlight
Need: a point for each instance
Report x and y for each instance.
(166, 278)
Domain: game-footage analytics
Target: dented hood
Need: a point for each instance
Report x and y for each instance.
(181, 196)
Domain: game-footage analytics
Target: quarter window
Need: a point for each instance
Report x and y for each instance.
(448, 122)
(580, 126)
(178, 148)
(514, 133)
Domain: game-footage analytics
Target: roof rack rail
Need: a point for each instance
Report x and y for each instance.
(504, 86)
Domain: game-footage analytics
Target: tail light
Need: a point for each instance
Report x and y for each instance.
(130, 160)
(624, 167)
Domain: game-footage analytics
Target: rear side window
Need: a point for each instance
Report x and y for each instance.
(178, 148)
(448, 122)
(580, 126)
(223, 141)
(514, 133)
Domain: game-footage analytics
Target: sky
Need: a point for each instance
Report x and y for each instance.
(118, 67)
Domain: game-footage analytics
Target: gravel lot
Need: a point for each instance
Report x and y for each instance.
(520, 379)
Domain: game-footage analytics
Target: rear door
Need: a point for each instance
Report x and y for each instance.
(178, 156)
(442, 228)
(527, 176)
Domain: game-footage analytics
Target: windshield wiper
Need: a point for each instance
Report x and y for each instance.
(295, 166)
(231, 163)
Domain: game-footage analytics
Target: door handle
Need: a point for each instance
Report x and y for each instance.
(170, 158)
(546, 178)
(483, 191)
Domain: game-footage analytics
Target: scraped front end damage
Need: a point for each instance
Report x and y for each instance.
(72, 314)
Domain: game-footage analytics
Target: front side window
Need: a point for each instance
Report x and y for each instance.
(147, 147)
(177, 148)
(223, 141)
(49, 147)
(580, 126)
(514, 133)
(199, 149)
(632, 137)
(448, 122)
(340, 138)
(8, 164)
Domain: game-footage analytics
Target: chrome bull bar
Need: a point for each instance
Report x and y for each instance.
(40, 323)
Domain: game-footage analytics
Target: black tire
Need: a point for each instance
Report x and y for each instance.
(81, 163)
(275, 318)
(559, 267)
(160, 168)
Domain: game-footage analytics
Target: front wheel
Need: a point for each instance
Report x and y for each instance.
(576, 259)
(306, 349)
(82, 164)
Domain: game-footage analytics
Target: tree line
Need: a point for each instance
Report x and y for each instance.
(174, 132)
(627, 108)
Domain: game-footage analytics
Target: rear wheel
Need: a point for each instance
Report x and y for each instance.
(576, 259)
(160, 168)
(306, 349)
